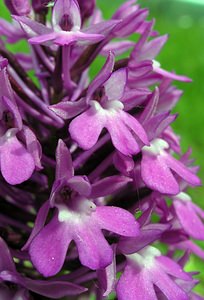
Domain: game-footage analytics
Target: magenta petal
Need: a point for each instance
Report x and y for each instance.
(54, 289)
(33, 146)
(121, 136)
(152, 48)
(102, 76)
(117, 220)
(171, 75)
(135, 126)
(108, 185)
(107, 276)
(172, 268)
(148, 234)
(48, 249)
(86, 128)
(39, 223)
(43, 39)
(17, 164)
(156, 174)
(6, 261)
(90, 38)
(182, 170)
(190, 246)
(104, 27)
(80, 184)
(135, 284)
(189, 220)
(123, 163)
(151, 107)
(12, 107)
(117, 47)
(64, 167)
(115, 85)
(168, 287)
(67, 110)
(31, 26)
(94, 251)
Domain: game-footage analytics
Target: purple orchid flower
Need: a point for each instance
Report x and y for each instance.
(190, 215)
(66, 23)
(108, 113)
(78, 219)
(156, 166)
(149, 268)
(16, 163)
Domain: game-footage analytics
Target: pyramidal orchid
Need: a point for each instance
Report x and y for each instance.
(93, 181)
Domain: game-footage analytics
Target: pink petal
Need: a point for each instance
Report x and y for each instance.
(103, 27)
(103, 75)
(54, 289)
(153, 47)
(182, 170)
(39, 223)
(64, 167)
(172, 268)
(121, 136)
(189, 220)
(48, 249)
(171, 75)
(107, 276)
(33, 146)
(156, 175)
(115, 85)
(86, 128)
(12, 107)
(190, 246)
(17, 164)
(135, 126)
(80, 184)
(94, 251)
(67, 110)
(169, 288)
(90, 38)
(108, 185)
(117, 48)
(134, 284)
(43, 39)
(31, 27)
(123, 163)
(6, 261)
(117, 220)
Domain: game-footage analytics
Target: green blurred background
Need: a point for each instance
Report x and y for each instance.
(184, 53)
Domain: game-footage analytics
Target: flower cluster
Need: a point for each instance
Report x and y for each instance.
(92, 180)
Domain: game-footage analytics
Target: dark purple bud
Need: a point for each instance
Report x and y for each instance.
(86, 8)
(40, 6)
(18, 7)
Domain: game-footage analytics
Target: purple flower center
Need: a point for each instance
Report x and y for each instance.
(66, 23)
